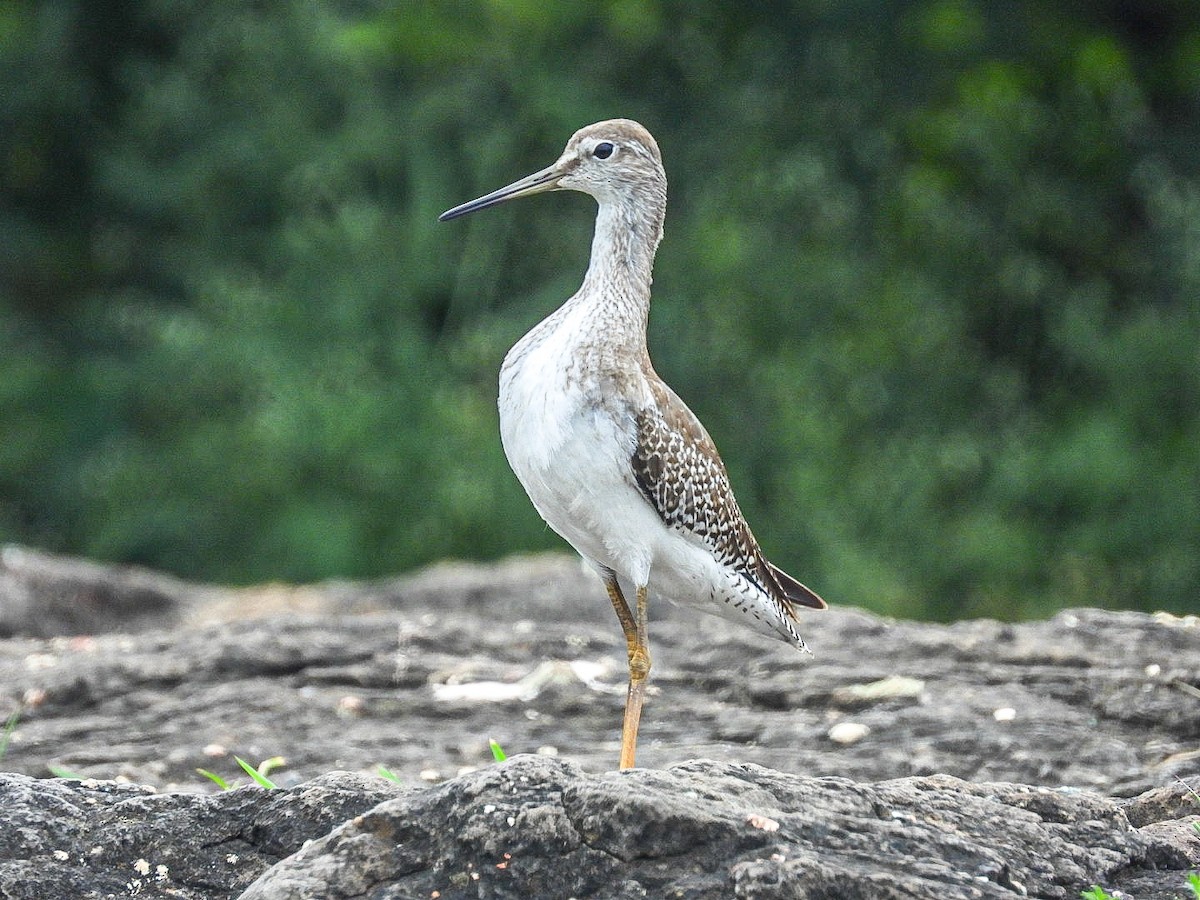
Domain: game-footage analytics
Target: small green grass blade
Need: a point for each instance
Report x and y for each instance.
(497, 753)
(385, 772)
(62, 772)
(215, 779)
(260, 779)
(267, 766)
(1096, 893)
(1194, 880)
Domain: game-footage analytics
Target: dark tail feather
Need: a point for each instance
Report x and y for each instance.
(794, 590)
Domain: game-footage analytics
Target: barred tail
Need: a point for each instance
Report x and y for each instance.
(794, 591)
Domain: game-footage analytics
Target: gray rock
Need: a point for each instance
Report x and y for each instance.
(43, 595)
(524, 652)
(534, 827)
(1086, 710)
(543, 828)
(96, 839)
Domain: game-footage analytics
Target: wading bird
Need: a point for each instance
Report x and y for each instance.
(612, 459)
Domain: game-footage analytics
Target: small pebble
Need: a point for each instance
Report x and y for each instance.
(762, 822)
(848, 732)
(351, 705)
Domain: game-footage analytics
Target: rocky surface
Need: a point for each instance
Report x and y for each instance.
(902, 759)
(71, 840)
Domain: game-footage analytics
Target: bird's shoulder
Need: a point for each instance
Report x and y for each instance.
(673, 443)
(677, 468)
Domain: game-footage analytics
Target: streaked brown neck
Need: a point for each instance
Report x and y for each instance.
(618, 278)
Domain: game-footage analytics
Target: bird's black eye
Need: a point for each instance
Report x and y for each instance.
(603, 150)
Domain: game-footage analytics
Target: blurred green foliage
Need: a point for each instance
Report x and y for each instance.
(931, 278)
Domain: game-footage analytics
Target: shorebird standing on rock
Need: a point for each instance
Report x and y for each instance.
(612, 459)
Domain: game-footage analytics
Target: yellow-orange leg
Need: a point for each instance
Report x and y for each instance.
(639, 663)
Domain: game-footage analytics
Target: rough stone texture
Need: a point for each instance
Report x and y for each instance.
(43, 595)
(155, 678)
(542, 828)
(69, 840)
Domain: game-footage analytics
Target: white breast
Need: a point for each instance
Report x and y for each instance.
(571, 452)
(538, 408)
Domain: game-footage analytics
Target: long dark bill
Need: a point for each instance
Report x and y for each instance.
(546, 180)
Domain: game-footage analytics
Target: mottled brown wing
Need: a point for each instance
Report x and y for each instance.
(678, 470)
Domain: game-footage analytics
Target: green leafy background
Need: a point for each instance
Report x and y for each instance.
(931, 278)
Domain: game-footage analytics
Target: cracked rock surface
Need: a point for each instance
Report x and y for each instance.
(93, 839)
(903, 759)
(542, 828)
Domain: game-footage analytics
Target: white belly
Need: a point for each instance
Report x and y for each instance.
(572, 455)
